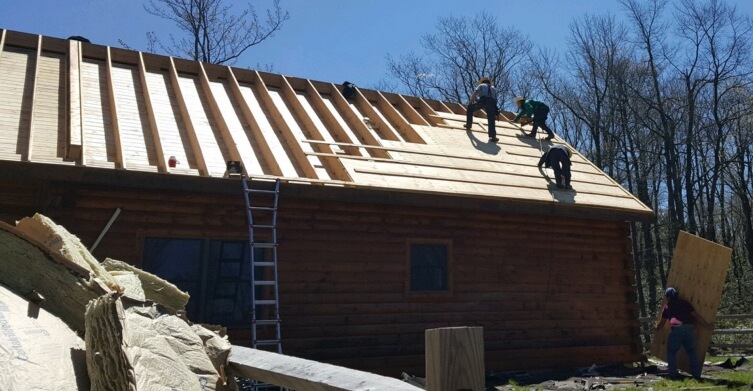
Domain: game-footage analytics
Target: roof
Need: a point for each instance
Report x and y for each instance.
(78, 104)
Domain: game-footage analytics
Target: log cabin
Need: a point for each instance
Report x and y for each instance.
(392, 218)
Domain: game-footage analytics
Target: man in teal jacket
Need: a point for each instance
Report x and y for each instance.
(539, 111)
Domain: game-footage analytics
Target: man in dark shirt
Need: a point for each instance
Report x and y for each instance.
(681, 315)
(538, 110)
(558, 158)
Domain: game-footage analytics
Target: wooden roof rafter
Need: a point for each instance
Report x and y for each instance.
(261, 143)
(186, 117)
(334, 127)
(356, 123)
(27, 155)
(160, 151)
(401, 124)
(74, 145)
(378, 123)
(227, 137)
(333, 165)
(119, 155)
(281, 127)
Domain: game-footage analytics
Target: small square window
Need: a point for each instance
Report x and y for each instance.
(429, 267)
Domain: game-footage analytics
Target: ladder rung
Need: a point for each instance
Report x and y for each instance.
(267, 322)
(265, 302)
(263, 244)
(268, 342)
(264, 263)
(271, 208)
(264, 282)
(260, 191)
(267, 226)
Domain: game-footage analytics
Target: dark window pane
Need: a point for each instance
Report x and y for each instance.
(178, 261)
(228, 300)
(428, 267)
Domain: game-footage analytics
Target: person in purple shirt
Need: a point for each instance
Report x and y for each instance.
(681, 316)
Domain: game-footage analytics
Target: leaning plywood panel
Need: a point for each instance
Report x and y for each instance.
(16, 77)
(698, 271)
(38, 352)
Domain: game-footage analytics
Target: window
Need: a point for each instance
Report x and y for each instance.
(216, 273)
(429, 267)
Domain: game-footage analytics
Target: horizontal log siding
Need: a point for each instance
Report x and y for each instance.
(548, 293)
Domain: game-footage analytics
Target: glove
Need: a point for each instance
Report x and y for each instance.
(525, 121)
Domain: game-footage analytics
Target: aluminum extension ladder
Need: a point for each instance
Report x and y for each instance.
(261, 196)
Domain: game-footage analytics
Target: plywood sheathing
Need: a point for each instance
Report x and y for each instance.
(698, 271)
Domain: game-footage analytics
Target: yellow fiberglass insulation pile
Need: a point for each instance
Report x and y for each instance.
(134, 336)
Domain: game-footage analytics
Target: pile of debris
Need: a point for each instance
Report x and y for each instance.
(53, 292)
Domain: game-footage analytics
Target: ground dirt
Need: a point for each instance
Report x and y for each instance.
(615, 377)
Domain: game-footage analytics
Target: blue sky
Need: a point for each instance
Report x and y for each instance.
(327, 40)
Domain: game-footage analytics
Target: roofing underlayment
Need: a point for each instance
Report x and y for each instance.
(71, 103)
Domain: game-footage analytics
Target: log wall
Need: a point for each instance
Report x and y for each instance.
(548, 292)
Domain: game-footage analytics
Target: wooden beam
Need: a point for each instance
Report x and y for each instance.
(301, 374)
(333, 165)
(192, 138)
(2, 42)
(361, 131)
(227, 137)
(258, 137)
(154, 130)
(382, 127)
(29, 149)
(329, 120)
(119, 156)
(404, 127)
(305, 167)
(74, 146)
(410, 111)
(455, 359)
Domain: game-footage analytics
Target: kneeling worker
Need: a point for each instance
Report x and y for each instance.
(558, 158)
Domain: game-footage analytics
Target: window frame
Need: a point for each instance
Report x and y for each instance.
(409, 263)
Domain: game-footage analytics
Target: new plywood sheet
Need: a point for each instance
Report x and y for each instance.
(698, 271)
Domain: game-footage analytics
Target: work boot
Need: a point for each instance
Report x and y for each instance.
(560, 186)
(493, 139)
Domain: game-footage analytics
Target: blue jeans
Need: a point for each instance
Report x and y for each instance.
(682, 336)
